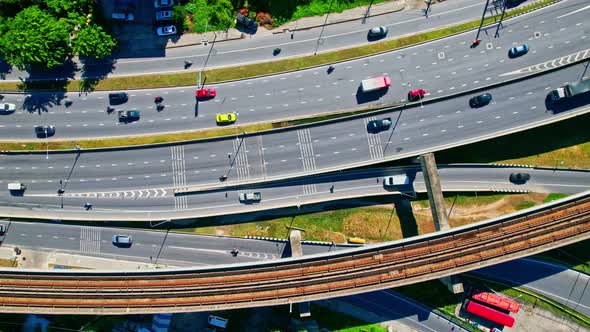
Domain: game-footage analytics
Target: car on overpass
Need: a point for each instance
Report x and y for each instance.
(121, 240)
(205, 93)
(517, 51)
(7, 107)
(379, 125)
(44, 131)
(247, 198)
(225, 118)
(118, 98)
(481, 100)
(416, 94)
(519, 178)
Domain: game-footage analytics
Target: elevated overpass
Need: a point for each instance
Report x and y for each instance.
(303, 279)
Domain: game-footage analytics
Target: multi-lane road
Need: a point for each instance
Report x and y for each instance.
(441, 67)
(172, 249)
(112, 204)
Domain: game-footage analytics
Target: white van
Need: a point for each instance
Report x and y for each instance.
(217, 322)
(16, 186)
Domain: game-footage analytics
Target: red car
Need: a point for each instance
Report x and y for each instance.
(416, 94)
(205, 93)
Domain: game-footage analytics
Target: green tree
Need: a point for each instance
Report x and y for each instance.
(35, 38)
(222, 14)
(92, 41)
(69, 8)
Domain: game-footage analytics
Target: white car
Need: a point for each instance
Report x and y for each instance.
(163, 3)
(164, 15)
(167, 30)
(6, 107)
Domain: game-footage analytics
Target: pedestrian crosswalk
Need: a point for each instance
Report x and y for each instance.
(90, 239)
(240, 161)
(179, 175)
(307, 157)
(374, 140)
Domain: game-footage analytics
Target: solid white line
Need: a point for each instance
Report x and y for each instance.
(574, 12)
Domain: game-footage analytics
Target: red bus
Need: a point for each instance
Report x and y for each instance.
(489, 314)
(496, 301)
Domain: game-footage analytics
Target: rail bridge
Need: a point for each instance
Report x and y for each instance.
(307, 278)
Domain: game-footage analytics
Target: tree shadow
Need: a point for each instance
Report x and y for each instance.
(93, 71)
(5, 68)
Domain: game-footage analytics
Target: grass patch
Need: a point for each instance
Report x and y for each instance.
(245, 71)
(575, 256)
(465, 199)
(535, 299)
(562, 144)
(525, 205)
(8, 262)
(554, 196)
(336, 321)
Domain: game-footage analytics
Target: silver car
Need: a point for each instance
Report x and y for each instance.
(167, 30)
(122, 240)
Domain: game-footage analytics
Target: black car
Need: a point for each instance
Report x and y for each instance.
(519, 178)
(378, 125)
(245, 21)
(44, 131)
(377, 32)
(481, 100)
(118, 98)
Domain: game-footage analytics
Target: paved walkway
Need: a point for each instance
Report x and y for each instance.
(188, 39)
(34, 259)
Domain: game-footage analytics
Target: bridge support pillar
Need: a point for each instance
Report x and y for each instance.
(453, 283)
(295, 243)
(435, 196)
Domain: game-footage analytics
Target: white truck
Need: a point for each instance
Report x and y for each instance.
(569, 90)
(396, 180)
(375, 83)
(250, 197)
(16, 186)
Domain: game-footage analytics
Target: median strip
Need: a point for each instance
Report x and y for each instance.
(260, 69)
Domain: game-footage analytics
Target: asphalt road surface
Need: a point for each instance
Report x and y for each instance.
(556, 282)
(177, 249)
(441, 67)
(281, 194)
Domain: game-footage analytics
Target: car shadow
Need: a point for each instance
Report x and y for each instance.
(375, 38)
(366, 97)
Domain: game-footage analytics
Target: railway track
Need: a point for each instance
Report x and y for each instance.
(285, 281)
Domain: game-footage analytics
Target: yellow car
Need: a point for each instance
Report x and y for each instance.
(225, 118)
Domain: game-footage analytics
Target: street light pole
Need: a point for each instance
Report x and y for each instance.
(323, 27)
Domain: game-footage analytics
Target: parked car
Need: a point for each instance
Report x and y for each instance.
(378, 125)
(378, 32)
(44, 131)
(518, 51)
(246, 22)
(120, 240)
(225, 118)
(166, 30)
(163, 3)
(7, 107)
(519, 178)
(481, 100)
(250, 197)
(205, 93)
(164, 15)
(118, 98)
(416, 94)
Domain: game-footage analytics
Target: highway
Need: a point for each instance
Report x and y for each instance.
(222, 200)
(441, 67)
(553, 281)
(172, 249)
(298, 151)
(258, 47)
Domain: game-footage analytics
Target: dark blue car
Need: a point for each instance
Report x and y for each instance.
(518, 51)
